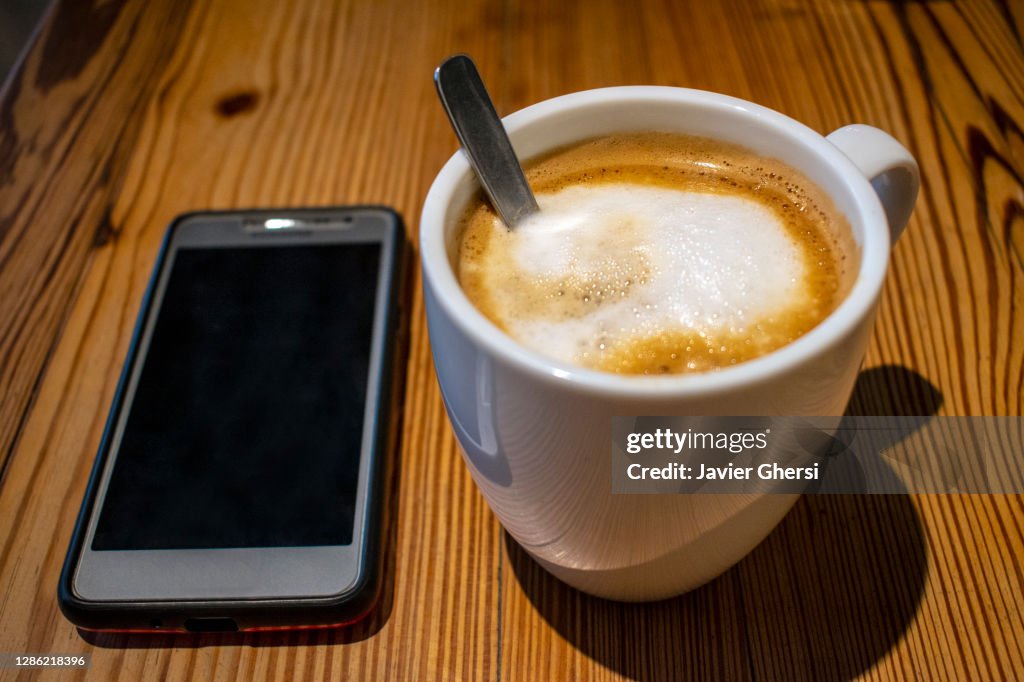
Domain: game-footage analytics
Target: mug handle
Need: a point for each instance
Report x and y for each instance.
(889, 167)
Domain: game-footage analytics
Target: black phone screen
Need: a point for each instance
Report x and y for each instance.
(246, 424)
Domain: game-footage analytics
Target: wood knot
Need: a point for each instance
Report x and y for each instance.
(236, 103)
(106, 232)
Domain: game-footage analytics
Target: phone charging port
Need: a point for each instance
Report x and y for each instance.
(211, 625)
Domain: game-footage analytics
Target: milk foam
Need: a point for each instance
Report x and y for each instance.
(659, 253)
(617, 262)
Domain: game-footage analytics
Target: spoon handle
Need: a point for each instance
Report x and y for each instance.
(483, 138)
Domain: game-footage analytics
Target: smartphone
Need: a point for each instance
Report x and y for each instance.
(239, 483)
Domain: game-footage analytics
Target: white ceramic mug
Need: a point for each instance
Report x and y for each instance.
(536, 433)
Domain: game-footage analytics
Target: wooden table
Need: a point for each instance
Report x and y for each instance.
(126, 113)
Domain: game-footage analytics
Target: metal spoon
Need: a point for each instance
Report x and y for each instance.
(483, 138)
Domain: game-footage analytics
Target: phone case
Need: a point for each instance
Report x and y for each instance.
(266, 614)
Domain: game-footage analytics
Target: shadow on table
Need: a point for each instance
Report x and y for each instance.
(825, 596)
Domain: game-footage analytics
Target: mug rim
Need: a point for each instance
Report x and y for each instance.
(439, 276)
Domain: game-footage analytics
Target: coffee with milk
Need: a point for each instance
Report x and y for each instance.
(659, 253)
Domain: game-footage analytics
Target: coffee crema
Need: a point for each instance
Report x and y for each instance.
(659, 253)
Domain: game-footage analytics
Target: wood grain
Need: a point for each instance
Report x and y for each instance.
(92, 95)
(125, 114)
